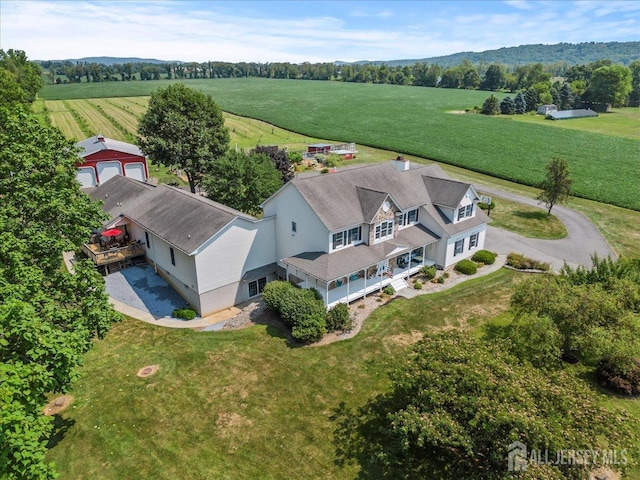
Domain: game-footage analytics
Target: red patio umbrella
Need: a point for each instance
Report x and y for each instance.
(112, 232)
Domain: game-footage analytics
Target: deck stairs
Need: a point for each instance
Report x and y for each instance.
(399, 284)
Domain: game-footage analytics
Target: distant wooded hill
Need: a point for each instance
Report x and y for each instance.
(571, 53)
(111, 60)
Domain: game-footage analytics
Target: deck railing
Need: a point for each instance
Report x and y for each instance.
(112, 255)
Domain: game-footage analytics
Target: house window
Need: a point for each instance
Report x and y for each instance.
(408, 218)
(464, 212)
(173, 256)
(146, 237)
(347, 237)
(294, 227)
(384, 230)
(469, 210)
(473, 241)
(257, 286)
(338, 240)
(459, 247)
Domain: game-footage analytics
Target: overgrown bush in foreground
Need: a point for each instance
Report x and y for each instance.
(300, 309)
(338, 318)
(520, 262)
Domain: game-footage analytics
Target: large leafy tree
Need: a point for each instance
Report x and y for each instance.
(556, 186)
(48, 316)
(494, 78)
(242, 181)
(456, 404)
(280, 159)
(184, 129)
(28, 74)
(610, 84)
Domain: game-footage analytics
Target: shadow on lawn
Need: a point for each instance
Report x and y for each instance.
(541, 215)
(60, 428)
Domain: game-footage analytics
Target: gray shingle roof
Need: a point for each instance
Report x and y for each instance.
(445, 192)
(179, 217)
(370, 202)
(329, 266)
(568, 114)
(336, 200)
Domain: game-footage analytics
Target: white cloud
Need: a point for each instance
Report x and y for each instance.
(235, 31)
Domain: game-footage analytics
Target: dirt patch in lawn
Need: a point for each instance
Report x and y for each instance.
(148, 371)
(57, 405)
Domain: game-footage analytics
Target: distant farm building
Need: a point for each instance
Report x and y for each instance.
(569, 114)
(546, 109)
(103, 158)
(345, 150)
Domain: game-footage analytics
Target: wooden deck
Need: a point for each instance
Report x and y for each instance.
(112, 255)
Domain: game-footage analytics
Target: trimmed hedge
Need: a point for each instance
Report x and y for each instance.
(484, 256)
(466, 267)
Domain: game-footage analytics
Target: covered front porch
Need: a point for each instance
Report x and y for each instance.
(346, 284)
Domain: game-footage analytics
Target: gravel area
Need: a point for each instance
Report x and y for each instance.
(144, 289)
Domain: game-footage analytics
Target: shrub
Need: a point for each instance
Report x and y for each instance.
(442, 277)
(309, 328)
(417, 285)
(485, 206)
(324, 170)
(388, 290)
(184, 313)
(429, 273)
(338, 318)
(620, 381)
(274, 293)
(520, 262)
(466, 267)
(484, 256)
(299, 304)
(295, 157)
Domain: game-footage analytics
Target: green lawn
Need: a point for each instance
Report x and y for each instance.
(529, 221)
(417, 120)
(242, 404)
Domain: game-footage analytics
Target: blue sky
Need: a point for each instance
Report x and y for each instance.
(298, 31)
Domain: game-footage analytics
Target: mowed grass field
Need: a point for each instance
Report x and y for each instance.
(242, 404)
(419, 121)
(619, 225)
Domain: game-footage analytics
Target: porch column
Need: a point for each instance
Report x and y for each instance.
(326, 301)
(348, 281)
(365, 281)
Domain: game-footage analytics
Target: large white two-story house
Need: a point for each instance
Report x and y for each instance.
(352, 232)
(345, 234)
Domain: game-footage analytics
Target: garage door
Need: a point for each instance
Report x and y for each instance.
(107, 170)
(86, 176)
(135, 171)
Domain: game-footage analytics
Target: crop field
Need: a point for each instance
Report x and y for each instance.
(419, 121)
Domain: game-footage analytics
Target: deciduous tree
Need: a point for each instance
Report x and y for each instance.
(455, 406)
(556, 186)
(242, 181)
(184, 129)
(610, 84)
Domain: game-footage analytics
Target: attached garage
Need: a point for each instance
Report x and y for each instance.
(107, 170)
(135, 171)
(87, 177)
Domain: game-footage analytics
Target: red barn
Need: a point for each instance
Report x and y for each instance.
(103, 158)
(323, 148)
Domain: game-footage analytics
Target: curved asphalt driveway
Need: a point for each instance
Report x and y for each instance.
(582, 241)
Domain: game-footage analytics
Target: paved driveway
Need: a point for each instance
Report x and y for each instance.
(582, 241)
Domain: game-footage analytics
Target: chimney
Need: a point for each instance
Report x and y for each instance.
(400, 164)
(100, 138)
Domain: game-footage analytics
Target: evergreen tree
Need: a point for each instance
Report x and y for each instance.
(519, 104)
(507, 106)
(567, 98)
(531, 98)
(491, 106)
